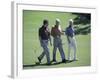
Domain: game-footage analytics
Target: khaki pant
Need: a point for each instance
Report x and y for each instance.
(72, 45)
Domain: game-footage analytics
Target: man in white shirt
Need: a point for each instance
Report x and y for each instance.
(70, 33)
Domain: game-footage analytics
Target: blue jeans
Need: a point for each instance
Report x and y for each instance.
(57, 43)
(44, 44)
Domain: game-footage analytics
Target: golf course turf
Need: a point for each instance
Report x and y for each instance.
(32, 21)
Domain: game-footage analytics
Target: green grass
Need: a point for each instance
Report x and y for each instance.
(32, 20)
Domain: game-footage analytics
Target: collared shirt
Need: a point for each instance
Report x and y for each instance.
(69, 31)
(44, 33)
(56, 31)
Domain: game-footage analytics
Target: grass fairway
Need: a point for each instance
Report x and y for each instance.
(32, 20)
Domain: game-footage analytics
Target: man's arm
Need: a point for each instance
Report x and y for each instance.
(52, 32)
(61, 31)
(50, 40)
(50, 37)
(39, 34)
(67, 34)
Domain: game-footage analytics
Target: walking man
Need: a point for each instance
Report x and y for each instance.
(44, 37)
(71, 39)
(57, 42)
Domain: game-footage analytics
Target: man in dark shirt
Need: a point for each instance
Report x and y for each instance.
(44, 37)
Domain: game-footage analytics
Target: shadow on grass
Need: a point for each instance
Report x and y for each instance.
(45, 64)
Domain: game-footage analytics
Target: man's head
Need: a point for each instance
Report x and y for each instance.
(71, 22)
(45, 23)
(57, 22)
